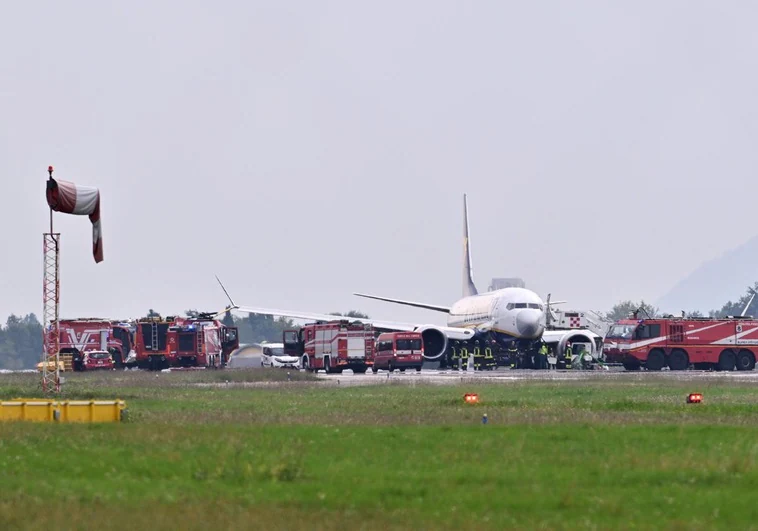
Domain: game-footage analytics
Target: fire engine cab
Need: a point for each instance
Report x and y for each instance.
(332, 346)
(677, 343)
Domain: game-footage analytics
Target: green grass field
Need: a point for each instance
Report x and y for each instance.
(198, 453)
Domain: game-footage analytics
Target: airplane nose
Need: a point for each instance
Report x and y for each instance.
(528, 324)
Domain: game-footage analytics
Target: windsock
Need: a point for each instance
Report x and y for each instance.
(70, 198)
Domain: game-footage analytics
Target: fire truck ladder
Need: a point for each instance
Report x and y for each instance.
(154, 337)
(51, 287)
(199, 341)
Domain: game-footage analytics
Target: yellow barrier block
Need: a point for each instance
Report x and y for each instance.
(40, 410)
(92, 410)
(34, 410)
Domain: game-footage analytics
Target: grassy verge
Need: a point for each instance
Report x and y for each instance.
(302, 455)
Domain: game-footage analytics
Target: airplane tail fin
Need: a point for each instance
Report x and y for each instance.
(468, 276)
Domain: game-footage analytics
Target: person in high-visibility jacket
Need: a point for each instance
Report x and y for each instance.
(489, 359)
(454, 356)
(568, 354)
(542, 357)
(513, 355)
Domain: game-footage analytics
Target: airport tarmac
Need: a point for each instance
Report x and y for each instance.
(504, 375)
(432, 376)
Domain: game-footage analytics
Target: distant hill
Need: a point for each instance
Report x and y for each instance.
(715, 282)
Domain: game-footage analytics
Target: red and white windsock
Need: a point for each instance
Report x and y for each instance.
(70, 198)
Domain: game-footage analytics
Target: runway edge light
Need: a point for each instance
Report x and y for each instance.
(471, 398)
(694, 398)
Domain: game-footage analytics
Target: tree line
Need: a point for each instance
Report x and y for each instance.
(20, 342)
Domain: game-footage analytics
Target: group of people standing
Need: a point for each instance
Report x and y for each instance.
(488, 355)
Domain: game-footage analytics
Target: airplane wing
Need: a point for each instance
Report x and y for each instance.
(324, 317)
(451, 332)
(436, 308)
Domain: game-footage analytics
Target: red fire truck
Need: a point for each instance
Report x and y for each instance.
(183, 342)
(332, 346)
(78, 336)
(677, 343)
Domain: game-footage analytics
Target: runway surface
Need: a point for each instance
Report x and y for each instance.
(504, 376)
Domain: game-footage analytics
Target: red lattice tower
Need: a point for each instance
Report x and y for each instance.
(51, 289)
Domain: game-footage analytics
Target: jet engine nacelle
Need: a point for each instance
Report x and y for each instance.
(435, 341)
(580, 336)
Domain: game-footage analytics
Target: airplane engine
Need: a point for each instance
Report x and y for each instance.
(579, 337)
(435, 342)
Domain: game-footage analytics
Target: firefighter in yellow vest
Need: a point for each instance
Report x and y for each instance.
(568, 354)
(489, 359)
(454, 356)
(477, 357)
(464, 358)
(542, 357)
(513, 355)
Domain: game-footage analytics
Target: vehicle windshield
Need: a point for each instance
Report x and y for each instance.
(99, 355)
(276, 351)
(408, 344)
(621, 331)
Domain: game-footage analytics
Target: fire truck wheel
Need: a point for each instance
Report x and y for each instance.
(632, 366)
(745, 361)
(402, 369)
(679, 361)
(727, 360)
(374, 369)
(655, 360)
(360, 370)
(418, 369)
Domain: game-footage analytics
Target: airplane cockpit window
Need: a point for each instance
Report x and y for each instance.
(535, 306)
(510, 306)
(521, 305)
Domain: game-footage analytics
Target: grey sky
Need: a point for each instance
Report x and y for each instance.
(303, 150)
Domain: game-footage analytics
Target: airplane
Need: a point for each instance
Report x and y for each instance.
(505, 315)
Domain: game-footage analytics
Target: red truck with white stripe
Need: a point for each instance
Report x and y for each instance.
(78, 336)
(678, 343)
(332, 346)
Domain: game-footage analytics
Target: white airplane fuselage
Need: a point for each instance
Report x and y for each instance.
(509, 313)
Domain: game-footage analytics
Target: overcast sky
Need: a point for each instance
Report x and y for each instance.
(305, 150)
